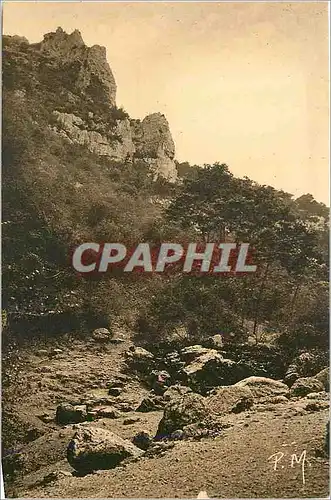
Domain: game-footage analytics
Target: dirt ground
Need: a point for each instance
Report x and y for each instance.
(268, 451)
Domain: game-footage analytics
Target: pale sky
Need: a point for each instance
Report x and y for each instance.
(240, 83)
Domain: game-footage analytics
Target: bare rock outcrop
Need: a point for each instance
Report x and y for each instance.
(78, 90)
(92, 73)
(154, 143)
(150, 140)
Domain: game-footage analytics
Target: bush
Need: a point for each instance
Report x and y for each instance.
(201, 305)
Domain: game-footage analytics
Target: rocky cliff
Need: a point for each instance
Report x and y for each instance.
(79, 91)
(93, 74)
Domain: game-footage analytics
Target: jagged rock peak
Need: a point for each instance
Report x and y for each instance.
(60, 40)
(93, 72)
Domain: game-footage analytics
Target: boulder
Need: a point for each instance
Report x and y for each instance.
(323, 376)
(209, 370)
(140, 359)
(177, 435)
(306, 385)
(142, 440)
(263, 387)
(188, 409)
(291, 375)
(322, 396)
(151, 403)
(316, 405)
(139, 353)
(67, 413)
(95, 448)
(101, 335)
(211, 355)
(231, 399)
(175, 391)
(306, 364)
(192, 352)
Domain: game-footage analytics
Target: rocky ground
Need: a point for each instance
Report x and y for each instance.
(255, 438)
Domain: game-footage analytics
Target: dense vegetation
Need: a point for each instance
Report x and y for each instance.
(57, 195)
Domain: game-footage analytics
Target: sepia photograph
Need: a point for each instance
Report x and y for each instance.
(165, 249)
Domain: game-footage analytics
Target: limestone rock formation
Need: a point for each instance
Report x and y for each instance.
(77, 89)
(92, 72)
(92, 80)
(154, 143)
(149, 140)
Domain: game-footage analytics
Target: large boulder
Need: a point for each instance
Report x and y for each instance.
(306, 385)
(140, 359)
(142, 440)
(67, 413)
(323, 376)
(306, 364)
(209, 370)
(188, 409)
(231, 399)
(95, 448)
(263, 387)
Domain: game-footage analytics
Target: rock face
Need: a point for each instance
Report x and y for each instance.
(79, 90)
(77, 130)
(262, 387)
(149, 140)
(93, 81)
(154, 143)
(91, 71)
(94, 448)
